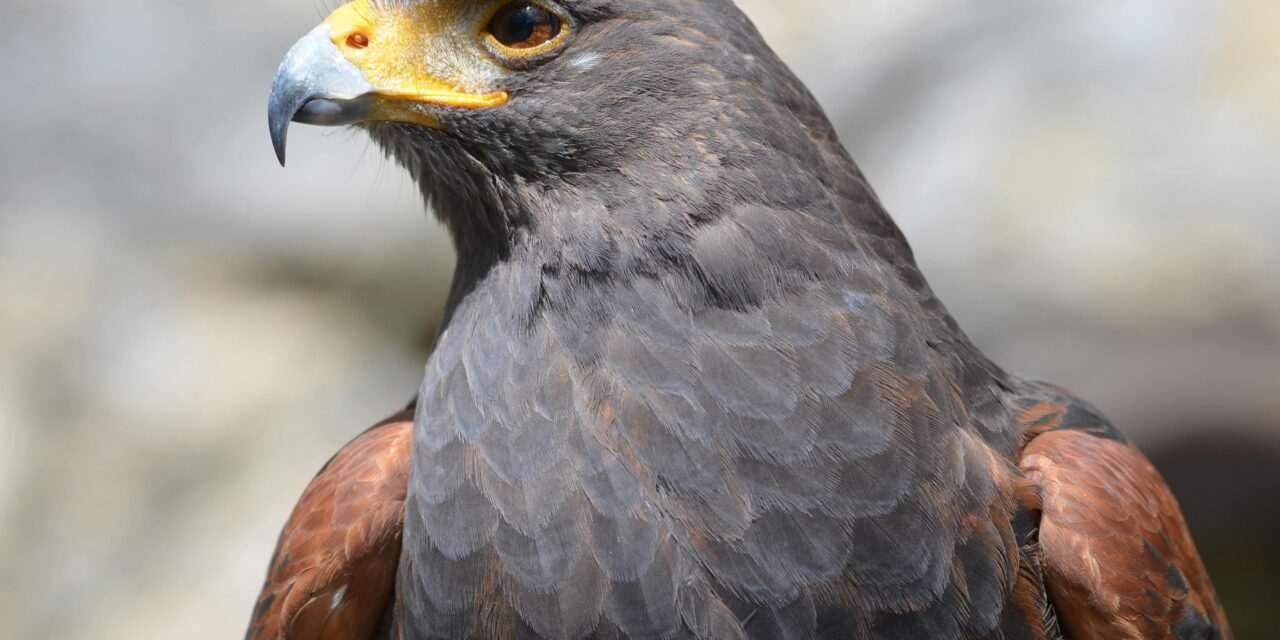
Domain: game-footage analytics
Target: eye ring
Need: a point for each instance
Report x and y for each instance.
(522, 31)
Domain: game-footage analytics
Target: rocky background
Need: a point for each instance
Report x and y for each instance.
(187, 331)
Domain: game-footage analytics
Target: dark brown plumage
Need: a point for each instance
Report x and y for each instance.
(332, 573)
(1119, 561)
(690, 382)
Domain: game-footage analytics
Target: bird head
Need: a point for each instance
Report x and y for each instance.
(505, 109)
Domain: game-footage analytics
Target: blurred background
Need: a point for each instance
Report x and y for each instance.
(188, 331)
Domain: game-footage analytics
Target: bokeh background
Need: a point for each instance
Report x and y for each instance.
(187, 331)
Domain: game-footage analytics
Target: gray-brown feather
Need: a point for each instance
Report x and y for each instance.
(691, 383)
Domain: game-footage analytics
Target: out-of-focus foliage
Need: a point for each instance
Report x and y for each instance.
(188, 331)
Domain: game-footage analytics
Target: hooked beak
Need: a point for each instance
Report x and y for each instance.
(316, 84)
(368, 62)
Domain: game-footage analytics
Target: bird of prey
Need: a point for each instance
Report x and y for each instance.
(690, 381)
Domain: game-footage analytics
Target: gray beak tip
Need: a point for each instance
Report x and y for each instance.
(284, 103)
(278, 135)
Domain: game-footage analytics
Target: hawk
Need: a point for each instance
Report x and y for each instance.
(690, 381)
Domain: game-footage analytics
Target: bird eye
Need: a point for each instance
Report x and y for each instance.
(523, 25)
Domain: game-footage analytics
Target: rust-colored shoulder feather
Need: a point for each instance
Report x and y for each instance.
(334, 567)
(1119, 561)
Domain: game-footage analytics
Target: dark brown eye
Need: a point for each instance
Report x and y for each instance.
(524, 25)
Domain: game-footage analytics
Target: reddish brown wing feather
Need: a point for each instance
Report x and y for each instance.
(335, 565)
(1119, 561)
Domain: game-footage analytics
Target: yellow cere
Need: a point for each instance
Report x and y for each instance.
(408, 49)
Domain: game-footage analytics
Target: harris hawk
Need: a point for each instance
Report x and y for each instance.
(690, 381)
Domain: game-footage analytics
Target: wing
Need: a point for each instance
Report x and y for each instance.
(1119, 561)
(335, 565)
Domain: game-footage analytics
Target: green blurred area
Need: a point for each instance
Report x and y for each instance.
(189, 331)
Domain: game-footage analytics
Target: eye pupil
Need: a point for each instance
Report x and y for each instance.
(521, 25)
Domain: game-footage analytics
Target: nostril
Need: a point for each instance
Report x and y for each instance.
(357, 40)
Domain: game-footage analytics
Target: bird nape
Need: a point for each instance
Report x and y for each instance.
(690, 383)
